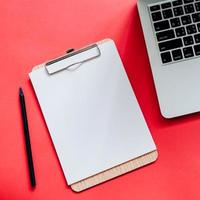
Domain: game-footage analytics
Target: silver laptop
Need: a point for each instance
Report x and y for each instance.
(172, 35)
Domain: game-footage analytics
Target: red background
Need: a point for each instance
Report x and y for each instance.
(34, 31)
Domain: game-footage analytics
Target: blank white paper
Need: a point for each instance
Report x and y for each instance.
(92, 115)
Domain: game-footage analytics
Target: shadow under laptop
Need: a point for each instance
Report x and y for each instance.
(134, 56)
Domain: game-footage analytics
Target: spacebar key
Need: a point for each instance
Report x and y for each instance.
(172, 44)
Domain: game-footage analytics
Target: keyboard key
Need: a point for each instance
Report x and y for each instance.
(178, 11)
(189, 8)
(166, 57)
(166, 5)
(188, 52)
(188, 1)
(196, 17)
(177, 55)
(177, 2)
(156, 16)
(197, 38)
(180, 32)
(165, 35)
(188, 40)
(155, 8)
(159, 26)
(191, 29)
(171, 44)
(175, 22)
(197, 50)
(186, 20)
(167, 13)
(198, 27)
(197, 6)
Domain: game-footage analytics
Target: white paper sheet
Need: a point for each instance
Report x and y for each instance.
(92, 115)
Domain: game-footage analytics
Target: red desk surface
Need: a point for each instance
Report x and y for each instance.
(34, 31)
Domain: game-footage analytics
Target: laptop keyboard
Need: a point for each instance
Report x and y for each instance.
(177, 29)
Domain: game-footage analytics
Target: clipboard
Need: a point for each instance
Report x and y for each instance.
(81, 61)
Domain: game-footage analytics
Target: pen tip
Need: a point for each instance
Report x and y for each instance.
(20, 91)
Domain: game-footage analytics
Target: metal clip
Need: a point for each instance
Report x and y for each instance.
(73, 60)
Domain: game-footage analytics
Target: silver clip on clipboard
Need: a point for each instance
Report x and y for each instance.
(73, 60)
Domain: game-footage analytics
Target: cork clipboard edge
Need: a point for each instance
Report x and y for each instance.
(115, 171)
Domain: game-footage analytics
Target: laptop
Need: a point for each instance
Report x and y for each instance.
(172, 34)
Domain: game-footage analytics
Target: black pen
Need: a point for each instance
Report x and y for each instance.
(27, 138)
